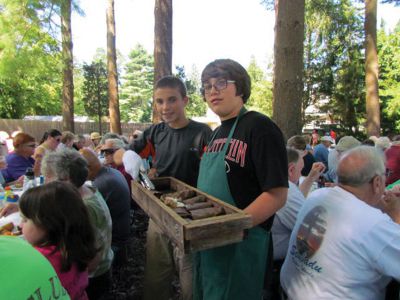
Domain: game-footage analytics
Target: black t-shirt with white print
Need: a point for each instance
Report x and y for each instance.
(256, 158)
(175, 152)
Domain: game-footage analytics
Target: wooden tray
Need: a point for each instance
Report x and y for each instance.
(191, 235)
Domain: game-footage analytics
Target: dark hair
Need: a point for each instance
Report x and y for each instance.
(52, 133)
(230, 70)
(368, 142)
(171, 81)
(22, 138)
(58, 209)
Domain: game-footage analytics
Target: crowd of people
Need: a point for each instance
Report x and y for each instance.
(325, 210)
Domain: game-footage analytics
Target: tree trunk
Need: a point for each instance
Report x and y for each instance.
(288, 65)
(99, 114)
(67, 58)
(371, 69)
(115, 122)
(162, 43)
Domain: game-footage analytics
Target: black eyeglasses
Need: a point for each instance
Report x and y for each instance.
(30, 145)
(219, 85)
(108, 151)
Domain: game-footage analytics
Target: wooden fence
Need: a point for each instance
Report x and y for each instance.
(37, 128)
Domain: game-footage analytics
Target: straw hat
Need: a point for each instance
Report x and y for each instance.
(95, 136)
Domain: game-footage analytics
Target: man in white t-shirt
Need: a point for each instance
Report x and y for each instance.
(342, 245)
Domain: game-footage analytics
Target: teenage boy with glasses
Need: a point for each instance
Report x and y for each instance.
(245, 165)
(176, 146)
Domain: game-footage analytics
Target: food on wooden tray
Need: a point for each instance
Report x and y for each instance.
(183, 212)
(188, 205)
(196, 229)
(198, 205)
(197, 199)
(180, 195)
(207, 212)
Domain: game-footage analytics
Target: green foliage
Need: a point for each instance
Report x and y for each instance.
(389, 78)
(95, 89)
(30, 63)
(196, 107)
(137, 86)
(334, 60)
(261, 90)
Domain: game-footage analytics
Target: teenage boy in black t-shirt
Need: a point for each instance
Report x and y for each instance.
(175, 146)
(251, 174)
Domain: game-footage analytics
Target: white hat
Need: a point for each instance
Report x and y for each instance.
(327, 138)
(346, 143)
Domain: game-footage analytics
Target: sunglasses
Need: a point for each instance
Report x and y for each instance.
(108, 151)
(31, 145)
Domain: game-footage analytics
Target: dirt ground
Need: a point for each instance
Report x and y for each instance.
(128, 279)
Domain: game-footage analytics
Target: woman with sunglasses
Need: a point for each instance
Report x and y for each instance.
(49, 143)
(21, 159)
(107, 150)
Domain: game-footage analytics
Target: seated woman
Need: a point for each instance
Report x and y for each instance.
(49, 143)
(20, 159)
(107, 150)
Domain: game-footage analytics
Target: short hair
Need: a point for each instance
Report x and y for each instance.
(107, 136)
(66, 165)
(293, 155)
(373, 163)
(67, 136)
(117, 143)
(22, 138)
(173, 82)
(297, 142)
(58, 208)
(80, 138)
(230, 70)
(51, 133)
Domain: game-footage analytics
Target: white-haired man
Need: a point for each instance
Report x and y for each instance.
(343, 246)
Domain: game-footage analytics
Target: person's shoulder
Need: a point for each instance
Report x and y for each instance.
(12, 157)
(199, 126)
(260, 124)
(256, 118)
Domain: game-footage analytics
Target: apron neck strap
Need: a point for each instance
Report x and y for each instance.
(228, 139)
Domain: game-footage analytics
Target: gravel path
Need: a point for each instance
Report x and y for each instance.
(128, 279)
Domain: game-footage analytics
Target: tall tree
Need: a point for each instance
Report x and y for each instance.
(95, 90)
(30, 62)
(389, 79)
(137, 86)
(288, 65)
(196, 106)
(261, 89)
(334, 62)
(162, 42)
(67, 58)
(371, 69)
(115, 121)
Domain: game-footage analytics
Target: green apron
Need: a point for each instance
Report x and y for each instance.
(234, 271)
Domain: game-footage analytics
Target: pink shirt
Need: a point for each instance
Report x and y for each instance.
(73, 281)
